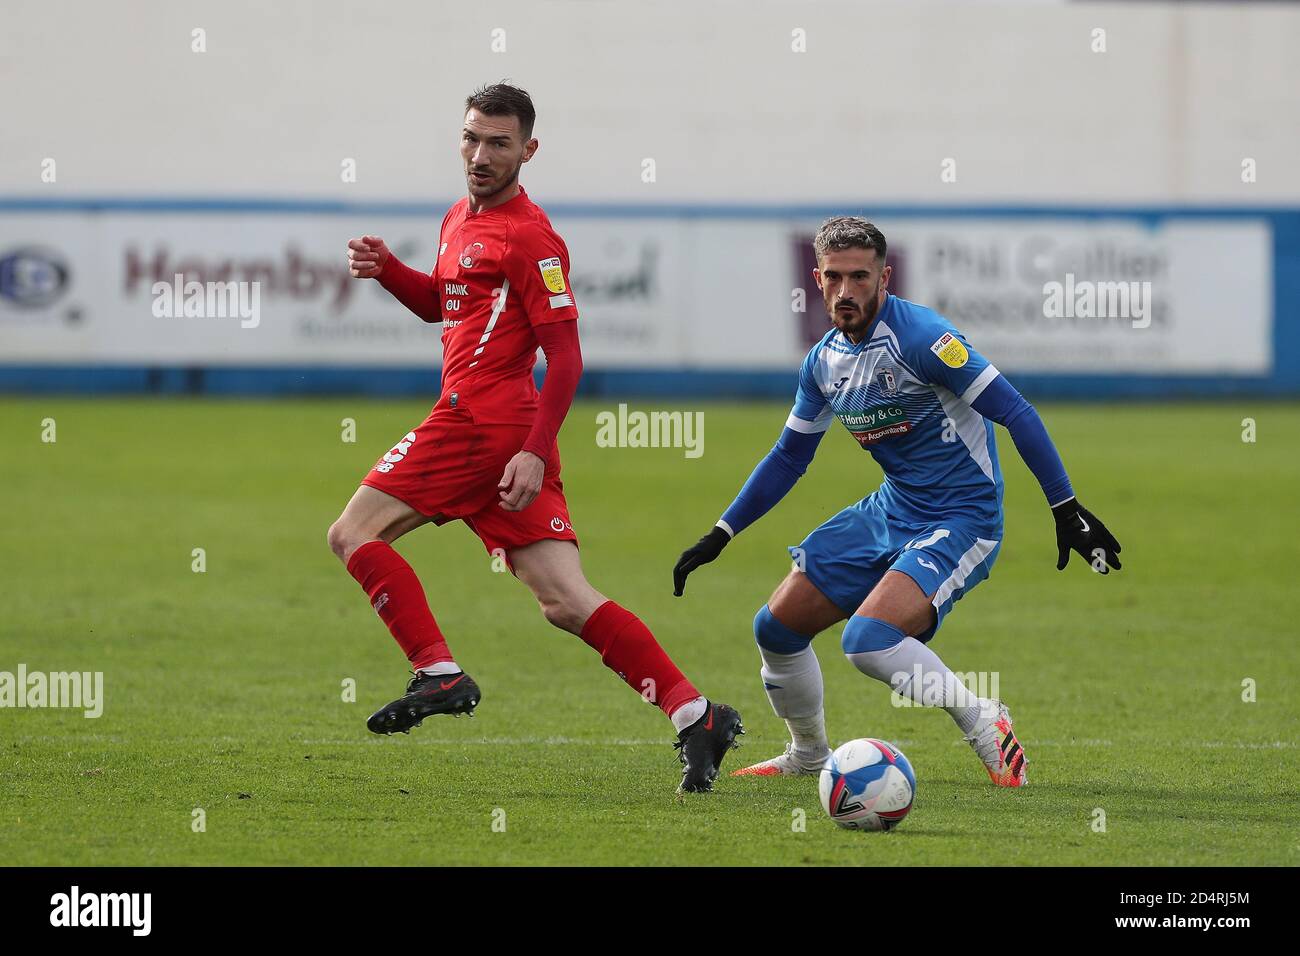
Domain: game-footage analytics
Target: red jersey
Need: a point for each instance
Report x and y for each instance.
(499, 273)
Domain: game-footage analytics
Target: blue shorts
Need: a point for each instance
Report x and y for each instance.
(848, 554)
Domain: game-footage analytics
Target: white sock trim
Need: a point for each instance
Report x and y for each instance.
(442, 667)
(688, 713)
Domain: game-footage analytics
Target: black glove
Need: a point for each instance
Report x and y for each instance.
(702, 552)
(1078, 529)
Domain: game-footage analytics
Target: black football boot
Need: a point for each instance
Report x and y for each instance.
(426, 695)
(704, 743)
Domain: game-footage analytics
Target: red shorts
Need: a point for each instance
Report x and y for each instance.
(448, 469)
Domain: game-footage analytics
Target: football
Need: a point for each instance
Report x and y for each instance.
(867, 784)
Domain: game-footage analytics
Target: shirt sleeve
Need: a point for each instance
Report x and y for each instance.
(411, 287)
(559, 343)
(945, 358)
(537, 267)
(811, 413)
(771, 480)
(1002, 403)
(774, 476)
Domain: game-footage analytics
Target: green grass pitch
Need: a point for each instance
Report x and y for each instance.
(224, 689)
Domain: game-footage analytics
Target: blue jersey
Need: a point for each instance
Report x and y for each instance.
(922, 402)
(905, 393)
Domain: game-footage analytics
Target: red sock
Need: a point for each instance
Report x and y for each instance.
(628, 648)
(395, 593)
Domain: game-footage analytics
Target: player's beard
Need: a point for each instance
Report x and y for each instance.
(492, 187)
(860, 323)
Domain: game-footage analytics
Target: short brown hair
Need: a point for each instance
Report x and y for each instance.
(502, 99)
(848, 232)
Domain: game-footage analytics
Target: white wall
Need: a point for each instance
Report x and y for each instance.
(710, 90)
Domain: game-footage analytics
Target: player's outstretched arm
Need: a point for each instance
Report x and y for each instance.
(1077, 529)
(370, 258)
(770, 481)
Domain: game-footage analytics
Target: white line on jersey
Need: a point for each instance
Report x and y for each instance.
(492, 320)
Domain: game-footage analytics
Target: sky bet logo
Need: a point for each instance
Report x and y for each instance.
(103, 909)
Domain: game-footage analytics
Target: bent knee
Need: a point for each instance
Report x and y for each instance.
(562, 614)
(800, 606)
(343, 540)
(866, 635)
(771, 635)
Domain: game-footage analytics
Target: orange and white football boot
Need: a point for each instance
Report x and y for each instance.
(994, 741)
(788, 764)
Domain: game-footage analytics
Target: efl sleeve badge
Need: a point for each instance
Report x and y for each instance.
(950, 350)
(552, 273)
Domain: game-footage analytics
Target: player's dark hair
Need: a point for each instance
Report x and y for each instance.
(848, 232)
(502, 99)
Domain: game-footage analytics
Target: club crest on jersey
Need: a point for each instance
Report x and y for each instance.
(470, 255)
(552, 274)
(888, 383)
(950, 350)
